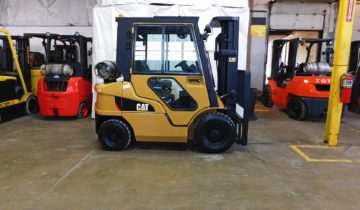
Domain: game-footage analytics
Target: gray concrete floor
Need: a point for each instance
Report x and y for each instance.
(58, 164)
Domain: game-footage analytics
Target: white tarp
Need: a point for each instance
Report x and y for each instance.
(46, 12)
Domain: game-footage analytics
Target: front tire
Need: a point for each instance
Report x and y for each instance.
(214, 133)
(114, 134)
(32, 105)
(83, 111)
(296, 109)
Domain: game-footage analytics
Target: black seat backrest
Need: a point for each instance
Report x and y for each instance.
(56, 56)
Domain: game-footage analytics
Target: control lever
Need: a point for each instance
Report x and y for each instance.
(232, 93)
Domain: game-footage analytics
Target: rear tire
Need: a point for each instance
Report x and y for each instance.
(32, 105)
(214, 133)
(296, 109)
(83, 111)
(114, 134)
(267, 97)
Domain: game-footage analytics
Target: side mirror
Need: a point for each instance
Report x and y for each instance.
(207, 31)
(90, 52)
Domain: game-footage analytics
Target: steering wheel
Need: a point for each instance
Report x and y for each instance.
(184, 66)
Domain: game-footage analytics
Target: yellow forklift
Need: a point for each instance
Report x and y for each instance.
(167, 92)
(14, 81)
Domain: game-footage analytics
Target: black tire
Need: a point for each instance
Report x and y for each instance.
(83, 111)
(296, 109)
(114, 134)
(214, 133)
(267, 97)
(32, 105)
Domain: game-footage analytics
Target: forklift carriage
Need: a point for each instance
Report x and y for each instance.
(168, 93)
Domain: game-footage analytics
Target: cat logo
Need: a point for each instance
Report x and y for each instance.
(232, 59)
(142, 107)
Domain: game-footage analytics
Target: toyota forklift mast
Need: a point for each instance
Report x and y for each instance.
(168, 93)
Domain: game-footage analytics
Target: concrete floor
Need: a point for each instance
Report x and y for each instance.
(58, 164)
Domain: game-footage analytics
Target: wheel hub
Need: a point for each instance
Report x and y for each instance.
(114, 137)
(215, 135)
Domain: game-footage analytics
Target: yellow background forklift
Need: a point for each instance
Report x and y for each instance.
(168, 93)
(14, 81)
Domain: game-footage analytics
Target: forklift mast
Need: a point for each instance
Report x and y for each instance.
(226, 54)
(233, 85)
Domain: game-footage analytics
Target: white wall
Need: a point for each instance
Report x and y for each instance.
(259, 5)
(40, 16)
(46, 12)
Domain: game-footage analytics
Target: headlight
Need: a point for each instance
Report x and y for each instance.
(106, 70)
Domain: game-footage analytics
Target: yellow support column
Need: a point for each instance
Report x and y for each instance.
(340, 66)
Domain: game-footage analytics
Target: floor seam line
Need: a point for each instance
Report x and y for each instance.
(76, 166)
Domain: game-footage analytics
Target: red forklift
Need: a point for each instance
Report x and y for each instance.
(64, 90)
(354, 104)
(300, 77)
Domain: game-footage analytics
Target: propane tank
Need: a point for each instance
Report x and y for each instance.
(57, 69)
(317, 67)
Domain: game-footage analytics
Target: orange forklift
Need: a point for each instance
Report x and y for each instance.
(300, 77)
